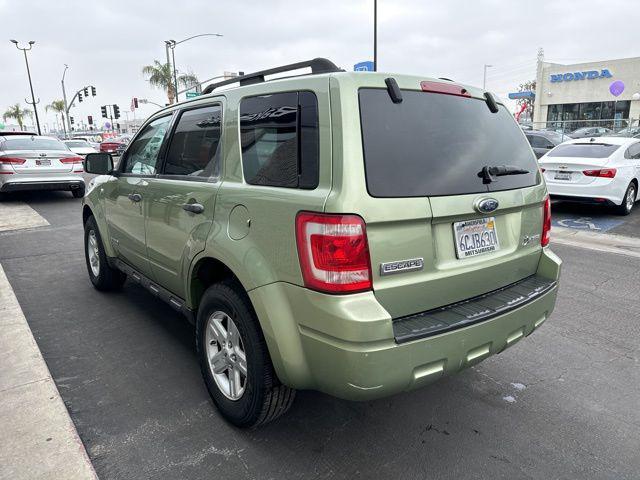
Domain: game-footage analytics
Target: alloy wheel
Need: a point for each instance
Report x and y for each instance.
(631, 197)
(226, 355)
(92, 251)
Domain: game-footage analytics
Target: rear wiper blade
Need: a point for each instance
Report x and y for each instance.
(488, 173)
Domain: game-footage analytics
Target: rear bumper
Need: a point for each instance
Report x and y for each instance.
(611, 190)
(20, 183)
(345, 345)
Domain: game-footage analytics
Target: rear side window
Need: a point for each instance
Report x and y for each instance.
(584, 150)
(195, 144)
(433, 144)
(33, 143)
(280, 140)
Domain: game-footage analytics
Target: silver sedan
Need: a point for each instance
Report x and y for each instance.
(31, 162)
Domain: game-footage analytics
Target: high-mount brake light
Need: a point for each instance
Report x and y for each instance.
(446, 88)
(545, 238)
(602, 173)
(333, 252)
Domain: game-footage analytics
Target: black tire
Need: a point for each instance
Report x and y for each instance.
(108, 278)
(625, 207)
(264, 398)
(78, 192)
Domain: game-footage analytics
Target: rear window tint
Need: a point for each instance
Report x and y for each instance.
(33, 143)
(584, 150)
(279, 140)
(434, 144)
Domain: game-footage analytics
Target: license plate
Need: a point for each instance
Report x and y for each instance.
(476, 237)
(43, 163)
(562, 176)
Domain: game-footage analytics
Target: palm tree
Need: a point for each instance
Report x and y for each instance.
(17, 114)
(58, 107)
(160, 76)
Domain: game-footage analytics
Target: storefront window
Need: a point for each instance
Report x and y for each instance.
(577, 115)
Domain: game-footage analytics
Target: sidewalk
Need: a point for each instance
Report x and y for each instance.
(602, 242)
(38, 439)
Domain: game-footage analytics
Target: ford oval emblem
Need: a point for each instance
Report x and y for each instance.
(486, 205)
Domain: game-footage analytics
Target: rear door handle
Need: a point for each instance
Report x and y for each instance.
(193, 207)
(135, 197)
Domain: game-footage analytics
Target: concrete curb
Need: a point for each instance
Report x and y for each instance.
(19, 215)
(39, 439)
(602, 242)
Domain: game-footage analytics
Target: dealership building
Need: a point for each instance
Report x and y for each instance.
(607, 90)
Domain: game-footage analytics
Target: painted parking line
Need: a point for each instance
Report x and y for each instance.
(585, 223)
(19, 215)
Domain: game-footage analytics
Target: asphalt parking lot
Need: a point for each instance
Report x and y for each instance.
(561, 404)
(595, 218)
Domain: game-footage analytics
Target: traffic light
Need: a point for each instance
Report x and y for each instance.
(135, 102)
(86, 91)
(80, 97)
(116, 111)
(90, 119)
(93, 91)
(103, 108)
(71, 120)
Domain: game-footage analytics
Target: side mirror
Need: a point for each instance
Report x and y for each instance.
(98, 163)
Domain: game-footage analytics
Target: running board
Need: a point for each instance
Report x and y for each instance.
(175, 302)
(471, 311)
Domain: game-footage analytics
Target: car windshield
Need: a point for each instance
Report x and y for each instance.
(584, 150)
(33, 143)
(415, 148)
(77, 143)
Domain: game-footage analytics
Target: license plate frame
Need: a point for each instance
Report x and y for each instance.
(562, 176)
(44, 162)
(485, 242)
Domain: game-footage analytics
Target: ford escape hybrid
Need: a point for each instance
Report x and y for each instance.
(329, 231)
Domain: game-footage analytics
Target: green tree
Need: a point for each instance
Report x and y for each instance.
(529, 86)
(159, 75)
(17, 113)
(57, 106)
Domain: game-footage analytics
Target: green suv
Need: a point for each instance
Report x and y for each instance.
(360, 234)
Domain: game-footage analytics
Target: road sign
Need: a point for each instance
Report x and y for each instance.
(193, 94)
(363, 67)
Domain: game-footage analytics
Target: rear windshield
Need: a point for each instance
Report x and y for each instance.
(433, 144)
(584, 150)
(77, 143)
(33, 143)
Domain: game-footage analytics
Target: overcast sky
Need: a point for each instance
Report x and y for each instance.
(106, 43)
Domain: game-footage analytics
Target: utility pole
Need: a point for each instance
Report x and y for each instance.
(484, 76)
(65, 117)
(33, 98)
(375, 35)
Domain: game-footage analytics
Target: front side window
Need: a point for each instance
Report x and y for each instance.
(279, 140)
(142, 155)
(195, 144)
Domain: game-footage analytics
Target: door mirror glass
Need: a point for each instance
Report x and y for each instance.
(98, 163)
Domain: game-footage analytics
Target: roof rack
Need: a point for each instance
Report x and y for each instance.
(317, 65)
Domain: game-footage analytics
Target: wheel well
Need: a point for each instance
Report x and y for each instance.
(207, 272)
(86, 213)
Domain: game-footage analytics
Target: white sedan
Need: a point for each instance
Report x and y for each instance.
(603, 170)
(81, 147)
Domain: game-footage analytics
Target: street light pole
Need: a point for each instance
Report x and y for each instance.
(375, 35)
(33, 98)
(484, 76)
(65, 118)
(172, 44)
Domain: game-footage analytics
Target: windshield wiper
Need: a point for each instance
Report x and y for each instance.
(488, 173)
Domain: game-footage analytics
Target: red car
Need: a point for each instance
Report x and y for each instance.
(114, 146)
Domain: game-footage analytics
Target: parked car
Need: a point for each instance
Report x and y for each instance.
(115, 145)
(587, 132)
(343, 240)
(605, 171)
(30, 162)
(542, 141)
(81, 147)
(626, 132)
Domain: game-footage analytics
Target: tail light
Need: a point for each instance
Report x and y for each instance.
(12, 161)
(333, 252)
(603, 173)
(68, 160)
(546, 223)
